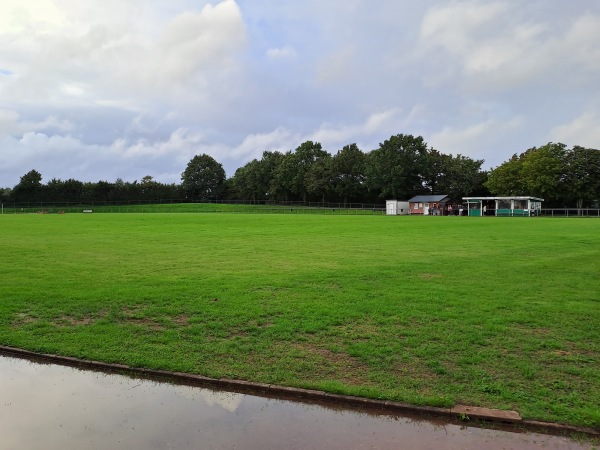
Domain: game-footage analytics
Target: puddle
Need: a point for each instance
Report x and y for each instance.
(56, 407)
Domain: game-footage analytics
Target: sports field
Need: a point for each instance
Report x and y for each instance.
(496, 312)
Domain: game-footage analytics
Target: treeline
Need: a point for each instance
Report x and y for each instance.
(401, 167)
(561, 176)
(31, 189)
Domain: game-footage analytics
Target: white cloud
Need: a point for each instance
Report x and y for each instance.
(68, 157)
(377, 124)
(336, 65)
(453, 25)
(280, 139)
(497, 45)
(583, 130)
(476, 140)
(17, 16)
(286, 52)
(11, 124)
(123, 88)
(192, 42)
(84, 57)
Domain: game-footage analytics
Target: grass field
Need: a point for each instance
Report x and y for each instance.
(496, 312)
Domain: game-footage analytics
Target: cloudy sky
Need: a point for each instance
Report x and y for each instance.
(100, 90)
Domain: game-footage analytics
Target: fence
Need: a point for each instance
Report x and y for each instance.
(171, 206)
(570, 212)
(238, 207)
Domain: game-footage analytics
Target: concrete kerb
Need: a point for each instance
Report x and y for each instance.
(460, 413)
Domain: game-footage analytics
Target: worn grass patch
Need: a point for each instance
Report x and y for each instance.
(494, 312)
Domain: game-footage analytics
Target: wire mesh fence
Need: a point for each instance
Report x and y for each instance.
(239, 207)
(570, 212)
(230, 207)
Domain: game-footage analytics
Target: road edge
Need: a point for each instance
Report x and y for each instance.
(461, 413)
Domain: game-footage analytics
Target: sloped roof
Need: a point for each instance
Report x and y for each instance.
(429, 198)
(522, 197)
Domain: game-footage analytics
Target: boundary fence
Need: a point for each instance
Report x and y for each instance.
(238, 207)
(570, 212)
(175, 206)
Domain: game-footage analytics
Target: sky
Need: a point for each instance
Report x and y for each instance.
(101, 90)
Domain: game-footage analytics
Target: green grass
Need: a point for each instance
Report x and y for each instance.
(495, 312)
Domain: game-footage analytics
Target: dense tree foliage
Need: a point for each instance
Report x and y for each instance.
(318, 181)
(74, 191)
(582, 176)
(203, 179)
(291, 174)
(559, 175)
(29, 187)
(348, 171)
(395, 170)
(401, 167)
(5, 194)
(256, 180)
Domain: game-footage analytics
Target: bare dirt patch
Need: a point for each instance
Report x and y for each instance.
(348, 369)
(430, 276)
(134, 315)
(181, 320)
(147, 323)
(23, 319)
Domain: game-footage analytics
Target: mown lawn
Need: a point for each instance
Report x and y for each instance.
(496, 312)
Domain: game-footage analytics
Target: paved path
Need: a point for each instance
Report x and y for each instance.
(57, 407)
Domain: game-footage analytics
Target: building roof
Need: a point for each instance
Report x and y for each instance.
(536, 199)
(429, 198)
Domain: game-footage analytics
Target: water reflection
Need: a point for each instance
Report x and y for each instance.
(56, 407)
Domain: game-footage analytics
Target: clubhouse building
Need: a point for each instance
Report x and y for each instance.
(503, 206)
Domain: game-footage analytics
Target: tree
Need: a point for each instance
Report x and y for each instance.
(552, 172)
(290, 175)
(281, 182)
(437, 172)
(248, 182)
(348, 173)
(506, 180)
(318, 179)
(5, 194)
(203, 178)
(101, 191)
(266, 173)
(582, 176)
(149, 190)
(29, 188)
(465, 178)
(543, 171)
(64, 191)
(395, 169)
(455, 176)
(254, 181)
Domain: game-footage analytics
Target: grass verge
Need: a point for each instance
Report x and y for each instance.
(494, 312)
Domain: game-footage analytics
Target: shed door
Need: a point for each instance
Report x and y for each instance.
(391, 208)
(426, 208)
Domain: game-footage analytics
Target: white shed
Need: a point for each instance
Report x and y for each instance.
(396, 208)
